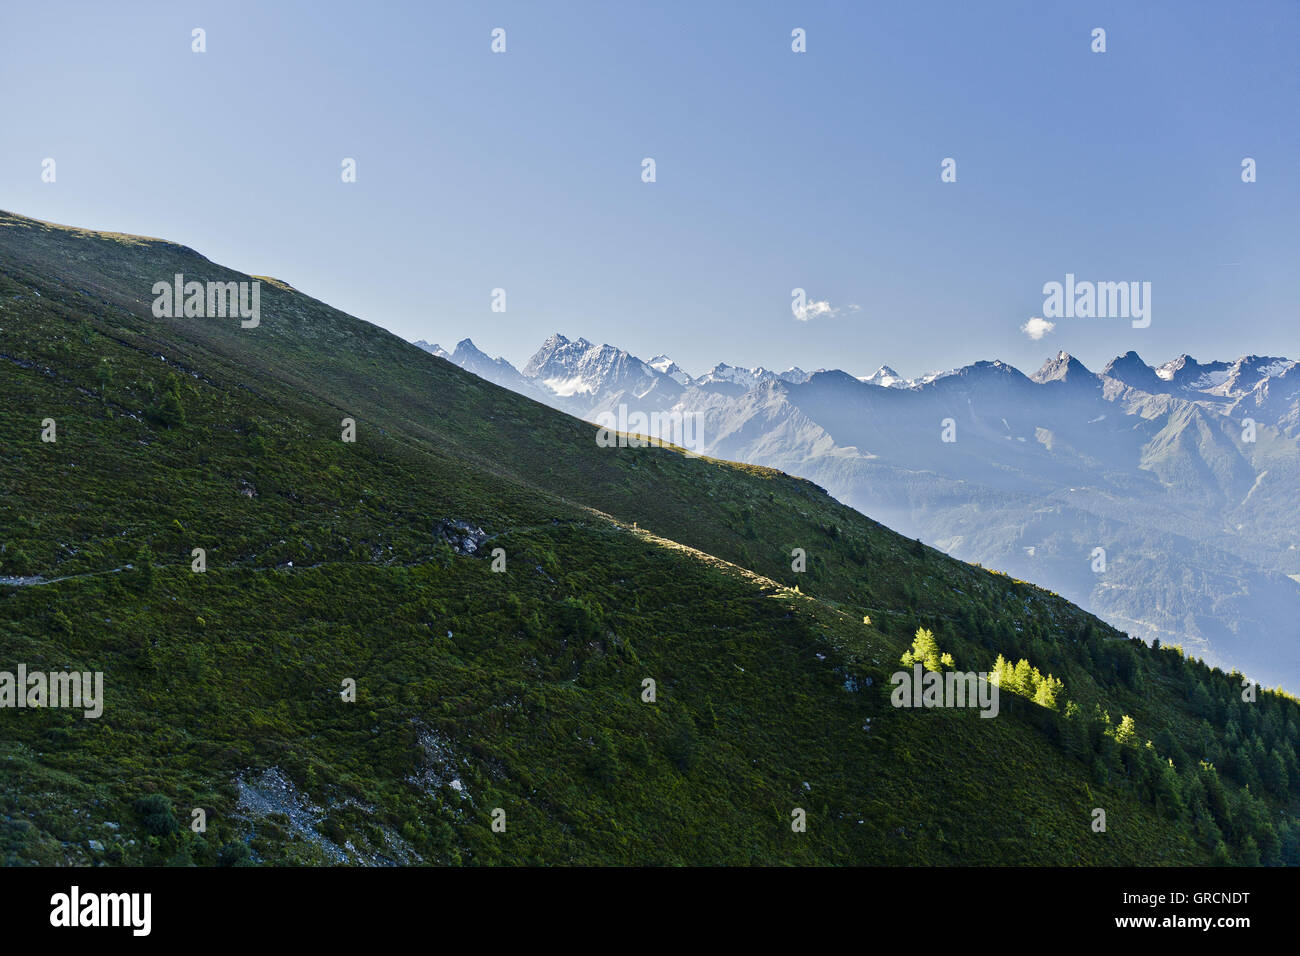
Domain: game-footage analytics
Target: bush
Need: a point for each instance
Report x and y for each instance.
(578, 620)
(156, 815)
(18, 562)
(169, 411)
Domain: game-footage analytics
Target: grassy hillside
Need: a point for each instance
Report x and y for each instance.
(520, 689)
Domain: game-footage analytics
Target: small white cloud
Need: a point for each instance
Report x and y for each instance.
(821, 309)
(1036, 328)
(813, 310)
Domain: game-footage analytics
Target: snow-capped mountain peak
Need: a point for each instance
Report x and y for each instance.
(1249, 373)
(1223, 379)
(722, 372)
(433, 348)
(570, 368)
(666, 366)
(751, 377)
(1186, 372)
(885, 377)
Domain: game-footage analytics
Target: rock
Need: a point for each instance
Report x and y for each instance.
(96, 846)
(463, 537)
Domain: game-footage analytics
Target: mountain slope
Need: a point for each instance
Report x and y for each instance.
(518, 689)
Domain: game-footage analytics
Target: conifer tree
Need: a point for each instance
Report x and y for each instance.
(1126, 732)
(925, 650)
(1049, 689)
(1024, 678)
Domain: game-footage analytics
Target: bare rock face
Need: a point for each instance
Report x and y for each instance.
(463, 537)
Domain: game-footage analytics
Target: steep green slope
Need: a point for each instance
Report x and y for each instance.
(520, 689)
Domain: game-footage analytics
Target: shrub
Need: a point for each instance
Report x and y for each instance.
(156, 815)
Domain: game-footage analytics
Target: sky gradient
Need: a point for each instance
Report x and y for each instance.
(775, 170)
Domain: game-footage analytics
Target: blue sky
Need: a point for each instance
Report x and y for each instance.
(775, 170)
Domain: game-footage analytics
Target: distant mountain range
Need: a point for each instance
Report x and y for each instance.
(1187, 474)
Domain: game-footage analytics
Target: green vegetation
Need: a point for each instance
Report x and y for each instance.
(925, 650)
(521, 690)
(1026, 680)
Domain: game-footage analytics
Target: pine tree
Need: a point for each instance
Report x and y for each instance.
(1076, 730)
(1126, 732)
(925, 649)
(1003, 674)
(1275, 777)
(1168, 790)
(1249, 854)
(1024, 678)
(1049, 689)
